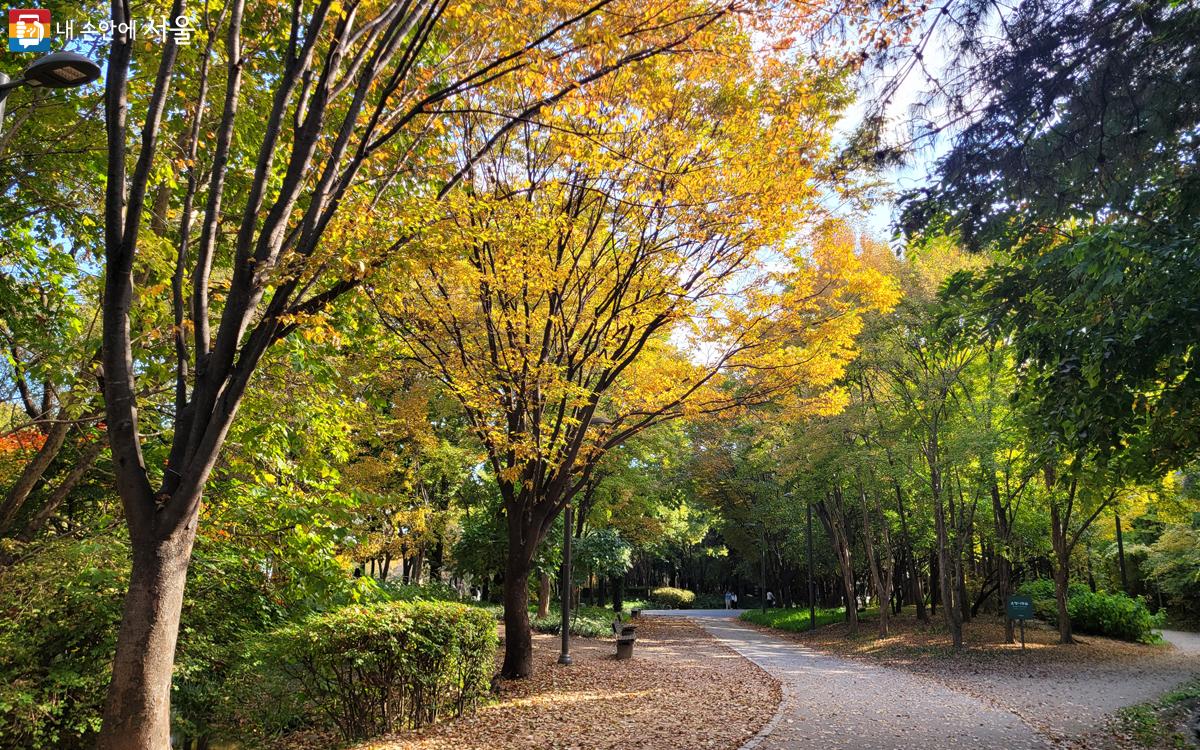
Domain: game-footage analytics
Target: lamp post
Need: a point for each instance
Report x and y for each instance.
(57, 70)
(564, 656)
(564, 603)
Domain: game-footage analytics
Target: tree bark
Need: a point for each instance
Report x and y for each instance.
(137, 711)
(518, 640)
(1062, 560)
(910, 557)
(947, 572)
(880, 569)
(833, 519)
(543, 610)
(1003, 564)
(1121, 553)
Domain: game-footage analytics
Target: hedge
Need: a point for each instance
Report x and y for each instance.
(666, 597)
(1114, 615)
(368, 669)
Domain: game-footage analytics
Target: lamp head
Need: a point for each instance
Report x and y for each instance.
(61, 70)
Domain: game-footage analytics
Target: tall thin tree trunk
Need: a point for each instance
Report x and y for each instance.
(910, 556)
(1062, 560)
(1003, 563)
(543, 610)
(33, 471)
(1121, 553)
(59, 494)
(880, 571)
(833, 519)
(947, 581)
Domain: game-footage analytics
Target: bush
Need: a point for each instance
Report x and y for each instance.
(589, 622)
(1173, 562)
(709, 601)
(1113, 615)
(59, 611)
(426, 592)
(666, 597)
(368, 669)
(60, 608)
(1043, 588)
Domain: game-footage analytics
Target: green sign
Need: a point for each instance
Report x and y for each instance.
(1020, 608)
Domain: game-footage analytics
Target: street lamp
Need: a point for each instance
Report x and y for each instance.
(564, 656)
(564, 598)
(57, 70)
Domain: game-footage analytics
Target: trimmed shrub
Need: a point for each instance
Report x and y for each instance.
(1113, 615)
(666, 597)
(368, 669)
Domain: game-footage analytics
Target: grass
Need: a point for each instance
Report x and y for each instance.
(794, 619)
(590, 622)
(1154, 725)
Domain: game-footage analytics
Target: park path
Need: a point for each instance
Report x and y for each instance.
(830, 702)
(1188, 643)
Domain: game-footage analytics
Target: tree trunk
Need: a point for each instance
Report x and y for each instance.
(910, 556)
(833, 519)
(518, 641)
(1062, 555)
(1121, 554)
(947, 572)
(137, 712)
(934, 577)
(33, 471)
(880, 569)
(1003, 564)
(48, 509)
(543, 610)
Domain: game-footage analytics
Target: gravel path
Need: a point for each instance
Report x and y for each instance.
(832, 702)
(1187, 643)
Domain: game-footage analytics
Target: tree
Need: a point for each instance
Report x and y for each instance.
(577, 278)
(332, 113)
(1079, 169)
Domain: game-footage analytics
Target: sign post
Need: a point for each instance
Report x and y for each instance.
(1020, 608)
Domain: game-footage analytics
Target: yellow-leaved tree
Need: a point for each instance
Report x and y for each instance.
(651, 248)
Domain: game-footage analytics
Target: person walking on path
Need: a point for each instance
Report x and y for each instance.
(728, 599)
(770, 599)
